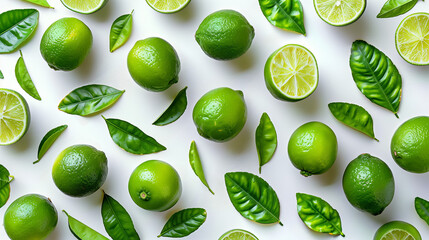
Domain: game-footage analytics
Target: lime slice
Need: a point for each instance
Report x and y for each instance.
(397, 230)
(84, 6)
(339, 12)
(291, 73)
(238, 234)
(168, 6)
(14, 116)
(412, 39)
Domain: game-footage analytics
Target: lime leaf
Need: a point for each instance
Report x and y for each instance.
(195, 161)
(1, 75)
(24, 78)
(183, 223)
(285, 14)
(120, 31)
(81, 231)
(266, 140)
(422, 208)
(5, 180)
(175, 110)
(393, 8)
(48, 140)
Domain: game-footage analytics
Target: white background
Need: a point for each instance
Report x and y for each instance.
(330, 45)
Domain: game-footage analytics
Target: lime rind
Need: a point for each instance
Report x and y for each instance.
(84, 6)
(339, 12)
(238, 234)
(168, 6)
(412, 39)
(14, 116)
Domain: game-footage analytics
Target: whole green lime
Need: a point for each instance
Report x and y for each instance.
(66, 43)
(410, 145)
(368, 184)
(155, 185)
(397, 230)
(153, 64)
(313, 148)
(30, 217)
(225, 35)
(220, 114)
(80, 170)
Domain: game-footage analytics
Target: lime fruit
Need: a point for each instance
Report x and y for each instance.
(80, 170)
(313, 148)
(397, 230)
(30, 217)
(412, 39)
(155, 185)
(153, 64)
(291, 73)
(84, 7)
(14, 116)
(410, 145)
(368, 184)
(168, 6)
(220, 114)
(238, 234)
(66, 43)
(225, 35)
(339, 12)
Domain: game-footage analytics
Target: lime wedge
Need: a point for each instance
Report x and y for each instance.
(291, 73)
(14, 116)
(168, 6)
(397, 230)
(339, 12)
(412, 39)
(238, 234)
(84, 6)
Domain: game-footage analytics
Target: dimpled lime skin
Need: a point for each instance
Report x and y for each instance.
(369, 184)
(225, 35)
(220, 114)
(80, 170)
(154, 64)
(313, 148)
(159, 182)
(410, 145)
(398, 226)
(66, 44)
(30, 217)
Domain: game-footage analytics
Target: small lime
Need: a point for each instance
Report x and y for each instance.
(397, 230)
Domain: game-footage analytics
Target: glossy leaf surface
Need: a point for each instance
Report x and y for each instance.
(120, 31)
(24, 78)
(393, 8)
(266, 140)
(285, 14)
(253, 198)
(81, 231)
(195, 161)
(5, 180)
(48, 140)
(376, 76)
(89, 99)
(132, 139)
(1, 75)
(422, 208)
(16, 26)
(318, 215)
(175, 110)
(42, 3)
(183, 223)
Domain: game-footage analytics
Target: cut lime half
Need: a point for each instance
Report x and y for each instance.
(168, 6)
(339, 12)
(291, 73)
(84, 6)
(412, 39)
(14, 116)
(238, 234)
(397, 230)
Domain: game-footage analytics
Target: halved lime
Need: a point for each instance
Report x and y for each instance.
(291, 73)
(84, 6)
(14, 116)
(339, 12)
(168, 6)
(238, 234)
(397, 230)
(412, 39)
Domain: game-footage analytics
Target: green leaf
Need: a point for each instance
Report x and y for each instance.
(42, 3)
(376, 76)
(253, 198)
(89, 99)
(16, 26)
(393, 8)
(5, 180)
(117, 221)
(1, 75)
(24, 78)
(48, 140)
(353, 116)
(285, 14)
(318, 215)
(175, 110)
(132, 139)
(184, 222)
(194, 160)
(81, 231)
(266, 140)
(120, 31)
(422, 208)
